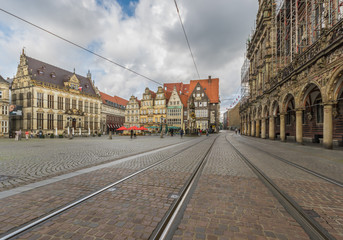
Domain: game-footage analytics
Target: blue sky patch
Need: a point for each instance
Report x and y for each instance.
(127, 6)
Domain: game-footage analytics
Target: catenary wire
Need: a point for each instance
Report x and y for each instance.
(189, 46)
(79, 46)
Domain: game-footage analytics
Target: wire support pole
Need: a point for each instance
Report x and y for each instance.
(79, 46)
(189, 46)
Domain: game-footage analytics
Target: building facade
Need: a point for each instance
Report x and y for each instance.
(147, 108)
(205, 96)
(296, 73)
(4, 107)
(175, 110)
(112, 112)
(233, 118)
(160, 106)
(53, 100)
(132, 112)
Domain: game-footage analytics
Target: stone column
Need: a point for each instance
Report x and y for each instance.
(253, 128)
(263, 128)
(249, 128)
(299, 125)
(271, 128)
(282, 128)
(328, 126)
(257, 128)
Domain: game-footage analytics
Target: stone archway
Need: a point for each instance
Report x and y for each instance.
(289, 111)
(313, 114)
(274, 120)
(337, 111)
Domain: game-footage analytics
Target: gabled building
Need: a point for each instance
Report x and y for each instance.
(132, 114)
(4, 107)
(175, 110)
(54, 100)
(205, 95)
(160, 105)
(147, 108)
(112, 112)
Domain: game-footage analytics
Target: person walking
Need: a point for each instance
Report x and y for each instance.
(181, 133)
(131, 133)
(27, 134)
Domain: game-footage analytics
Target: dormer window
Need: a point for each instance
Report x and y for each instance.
(53, 75)
(40, 71)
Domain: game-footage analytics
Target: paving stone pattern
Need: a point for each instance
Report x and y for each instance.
(323, 200)
(32, 160)
(132, 211)
(234, 204)
(28, 205)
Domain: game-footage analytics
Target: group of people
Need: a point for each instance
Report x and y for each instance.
(19, 133)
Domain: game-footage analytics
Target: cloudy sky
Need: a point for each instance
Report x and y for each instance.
(143, 35)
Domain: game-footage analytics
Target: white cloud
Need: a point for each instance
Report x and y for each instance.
(151, 42)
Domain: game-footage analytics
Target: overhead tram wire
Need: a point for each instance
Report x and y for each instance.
(79, 46)
(189, 46)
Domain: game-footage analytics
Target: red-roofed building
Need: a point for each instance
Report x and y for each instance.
(112, 112)
(204, 94)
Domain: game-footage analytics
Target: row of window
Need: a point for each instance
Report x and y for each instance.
(4, 126)
(200, 104)
(174, 121)
(4, 110)
(174, 112)
(61, 122)
(62, 103)
(201, 113)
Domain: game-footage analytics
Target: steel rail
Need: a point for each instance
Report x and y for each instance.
(310, 226)
(319, 175)
(24, 227)
(168, 222)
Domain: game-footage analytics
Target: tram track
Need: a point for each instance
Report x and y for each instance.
(18, 231)
(310, 226)
(170, 221)
(314, 173)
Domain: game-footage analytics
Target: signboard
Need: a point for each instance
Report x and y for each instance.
(16, 110)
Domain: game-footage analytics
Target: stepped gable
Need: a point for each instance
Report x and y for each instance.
(210, 86)
(47, 73)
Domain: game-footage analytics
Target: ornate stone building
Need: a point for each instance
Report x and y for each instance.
(160, 105)
(175, 110)
(54, 100)
(147, 108)
(296, 73)
(132, 114)
(205, 96)
(4, 107)
(112, 112)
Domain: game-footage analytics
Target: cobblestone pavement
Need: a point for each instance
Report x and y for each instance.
(132, 210)
(26, 161)
(230, 202)
(322, 200)
(20, 208)
(314, 157)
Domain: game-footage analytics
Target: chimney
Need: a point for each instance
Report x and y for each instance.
(209, 79)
